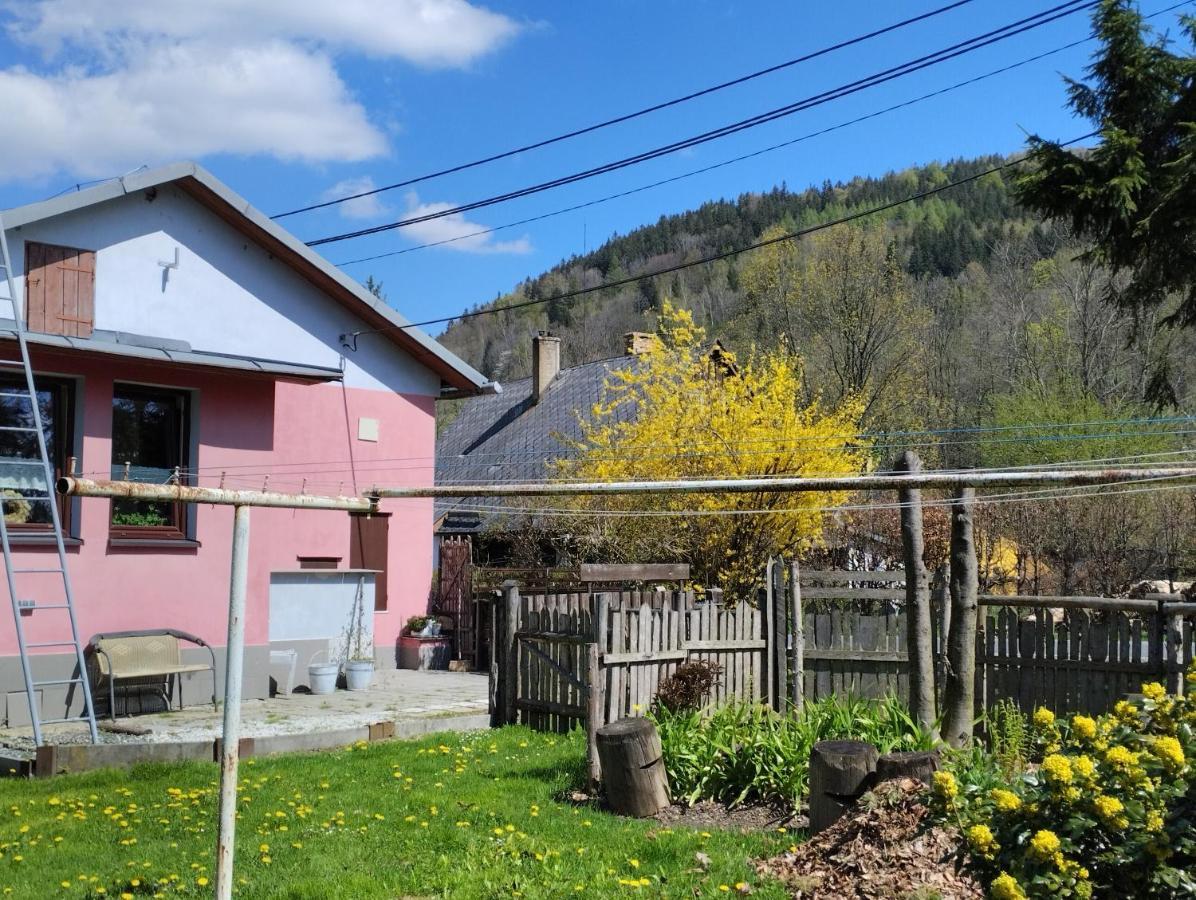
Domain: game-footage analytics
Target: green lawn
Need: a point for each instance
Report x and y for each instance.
(461, 815)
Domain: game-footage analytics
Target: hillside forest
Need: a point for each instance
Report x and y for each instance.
(967, 328)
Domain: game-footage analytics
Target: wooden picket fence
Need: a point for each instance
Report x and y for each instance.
(591, 657)
(588, 658)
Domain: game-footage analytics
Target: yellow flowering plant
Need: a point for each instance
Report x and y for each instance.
(1108, 810)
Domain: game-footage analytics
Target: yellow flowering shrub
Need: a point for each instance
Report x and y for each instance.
(703, 413)
(1108, 811)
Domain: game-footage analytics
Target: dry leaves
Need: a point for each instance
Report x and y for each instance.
(884, 849)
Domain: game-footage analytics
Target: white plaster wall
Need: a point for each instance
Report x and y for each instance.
(228, 295)
(318, 604)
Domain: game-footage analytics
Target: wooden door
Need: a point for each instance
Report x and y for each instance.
(368, 542)
(59, 290)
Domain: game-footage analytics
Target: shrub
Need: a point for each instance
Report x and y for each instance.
(1109, 810)
(743, 751)
(688, 687)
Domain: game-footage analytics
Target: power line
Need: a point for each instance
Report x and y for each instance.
(955, 50)
(756, 153)
(714, 257)
(627, 117)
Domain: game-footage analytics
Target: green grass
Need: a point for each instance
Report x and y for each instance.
(460, 815)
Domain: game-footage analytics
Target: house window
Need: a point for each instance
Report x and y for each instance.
(21, 472)
(149, 440)
(59, 289)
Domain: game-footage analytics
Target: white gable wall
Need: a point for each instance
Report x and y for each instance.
(228, 295)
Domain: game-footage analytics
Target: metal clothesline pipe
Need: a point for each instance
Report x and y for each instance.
(136, 490)
(933, 480)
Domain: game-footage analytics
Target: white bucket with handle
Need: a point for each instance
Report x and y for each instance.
(321, 677)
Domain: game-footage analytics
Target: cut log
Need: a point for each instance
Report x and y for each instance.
(919, 764)
(632, 768)
(840, 771)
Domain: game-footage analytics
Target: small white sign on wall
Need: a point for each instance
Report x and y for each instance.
(367, 430)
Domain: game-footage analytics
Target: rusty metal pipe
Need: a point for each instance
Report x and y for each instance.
(944, 480)
(176, 493)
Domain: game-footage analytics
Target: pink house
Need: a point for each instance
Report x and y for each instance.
(177, 327)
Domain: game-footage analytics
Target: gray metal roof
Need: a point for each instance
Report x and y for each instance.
(112, 343)
(233, 208)
(507, 437)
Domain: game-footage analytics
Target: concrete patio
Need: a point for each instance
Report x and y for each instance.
(410, 701)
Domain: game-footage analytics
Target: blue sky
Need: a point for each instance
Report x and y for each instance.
(292, 102)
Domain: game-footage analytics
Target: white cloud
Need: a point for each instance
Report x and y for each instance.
(183, 101)
(146, 81)
(425, 32)
(370, 207)
(456, 229)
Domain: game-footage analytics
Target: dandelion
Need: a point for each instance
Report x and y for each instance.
(202, 881)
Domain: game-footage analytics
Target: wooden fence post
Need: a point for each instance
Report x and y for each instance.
(510, 651)
(769, 610)
(940, 608)
(917, 598)
(497, 714)
(798, 674)
(959, 693)
(1173, 625)
(596, 694)
(779, 615)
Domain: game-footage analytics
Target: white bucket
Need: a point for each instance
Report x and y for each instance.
(321, 677)
(358, 674)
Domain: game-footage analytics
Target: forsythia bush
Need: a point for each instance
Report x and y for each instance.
(1109, 812)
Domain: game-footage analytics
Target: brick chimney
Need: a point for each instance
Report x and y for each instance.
(546, 362)
(637, 343)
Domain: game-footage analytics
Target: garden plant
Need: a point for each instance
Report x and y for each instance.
(1107, 810)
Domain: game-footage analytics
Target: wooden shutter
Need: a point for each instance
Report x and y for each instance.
(368, 543)
(59, 289)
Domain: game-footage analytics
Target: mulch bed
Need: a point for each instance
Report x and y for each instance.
(886, 848)
(706, 814)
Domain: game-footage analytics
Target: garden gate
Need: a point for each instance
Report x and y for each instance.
(592, 657)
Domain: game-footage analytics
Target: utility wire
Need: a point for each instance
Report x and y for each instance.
(756, 153)
(713, 257)
(627, 117)
(955, 50)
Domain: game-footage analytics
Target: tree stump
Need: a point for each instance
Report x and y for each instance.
(632, 768)
(919, 764)
(840, 771)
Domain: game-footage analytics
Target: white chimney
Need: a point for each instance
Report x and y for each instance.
(546, 362)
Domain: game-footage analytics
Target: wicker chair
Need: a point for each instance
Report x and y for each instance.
(140, 659)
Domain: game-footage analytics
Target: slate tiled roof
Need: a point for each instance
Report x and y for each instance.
(507, 437)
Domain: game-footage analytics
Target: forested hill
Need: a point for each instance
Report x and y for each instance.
(955, 310)
(936, 237)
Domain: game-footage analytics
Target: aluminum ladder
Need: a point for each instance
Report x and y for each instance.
(22, 605)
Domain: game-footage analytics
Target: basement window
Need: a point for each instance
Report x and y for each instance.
(149, 441)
